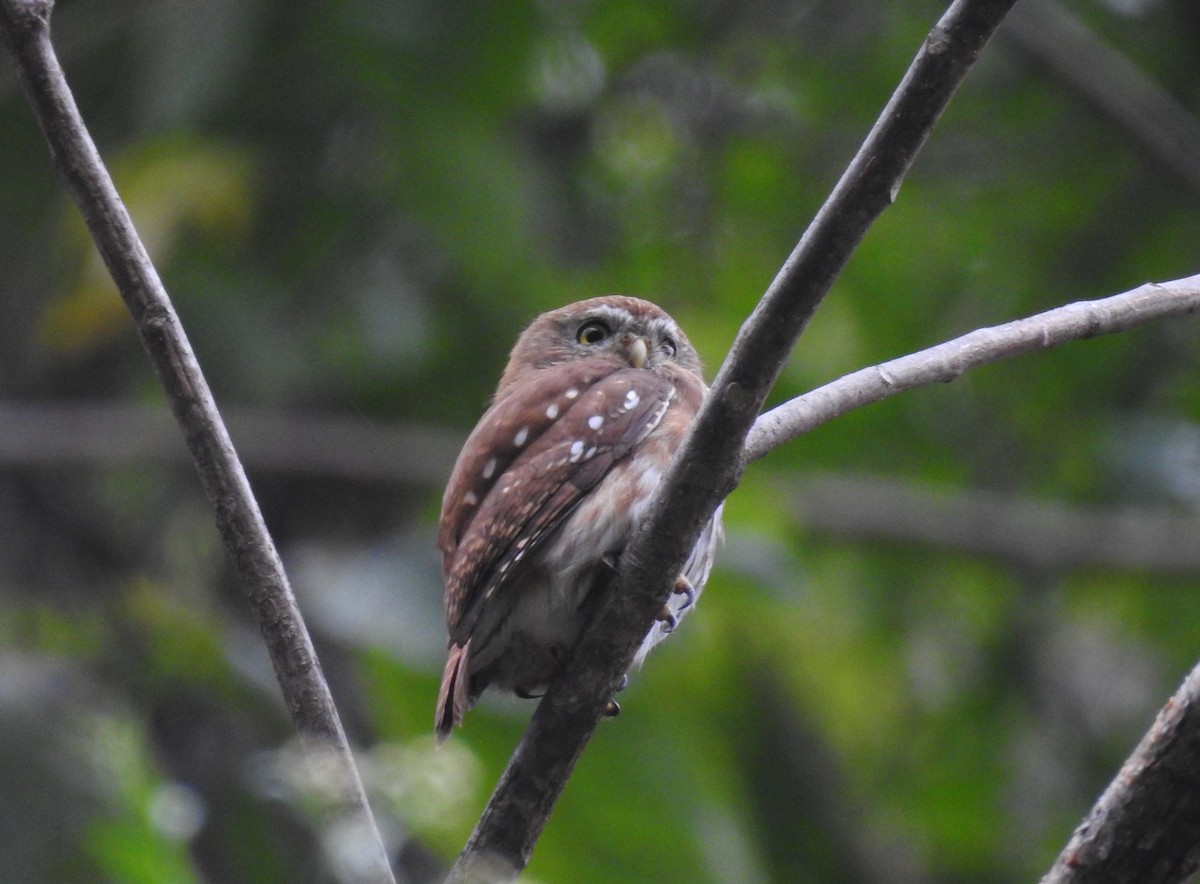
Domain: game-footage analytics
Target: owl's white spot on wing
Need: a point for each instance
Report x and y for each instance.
(489, 468)
(572, 393)
(522, 435)
(591, 450)
(631, 400)
(596, 421)
(552, 410)
(576, 450)
(470, 499)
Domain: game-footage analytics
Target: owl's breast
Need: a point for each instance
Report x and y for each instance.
(546, 609)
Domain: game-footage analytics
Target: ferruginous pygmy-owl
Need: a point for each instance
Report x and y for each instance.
(595, 399)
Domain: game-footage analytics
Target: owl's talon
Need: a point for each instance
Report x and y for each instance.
(612, 709)
(526, 694)
(668, 620)
(683, 586)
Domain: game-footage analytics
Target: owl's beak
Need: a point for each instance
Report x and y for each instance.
(638, 350)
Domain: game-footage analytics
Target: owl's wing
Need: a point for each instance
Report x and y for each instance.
(527, 465)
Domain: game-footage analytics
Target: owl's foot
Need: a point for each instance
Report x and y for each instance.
(670, 619)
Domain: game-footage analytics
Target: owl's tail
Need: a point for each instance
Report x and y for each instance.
(452, 702)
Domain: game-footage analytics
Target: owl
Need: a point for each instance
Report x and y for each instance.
(595, 399)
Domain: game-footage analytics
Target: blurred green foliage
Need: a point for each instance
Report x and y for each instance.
(356, 205)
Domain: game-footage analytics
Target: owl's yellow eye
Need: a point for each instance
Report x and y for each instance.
(592, 332)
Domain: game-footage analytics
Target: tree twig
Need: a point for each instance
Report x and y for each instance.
(709, 464)
(25, 27)
(945, 362)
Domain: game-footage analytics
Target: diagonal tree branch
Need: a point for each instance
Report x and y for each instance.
(25, 27)
(1145, 828)
(709, 464)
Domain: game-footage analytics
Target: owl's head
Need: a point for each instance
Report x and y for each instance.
(618, 328)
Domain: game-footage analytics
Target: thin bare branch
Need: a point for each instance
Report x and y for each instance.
(710, 462)
(945, 362)
(25, 27)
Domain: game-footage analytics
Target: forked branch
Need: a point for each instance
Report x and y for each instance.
(708, 465)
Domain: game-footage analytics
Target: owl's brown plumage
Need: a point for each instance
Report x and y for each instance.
(595, 399)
